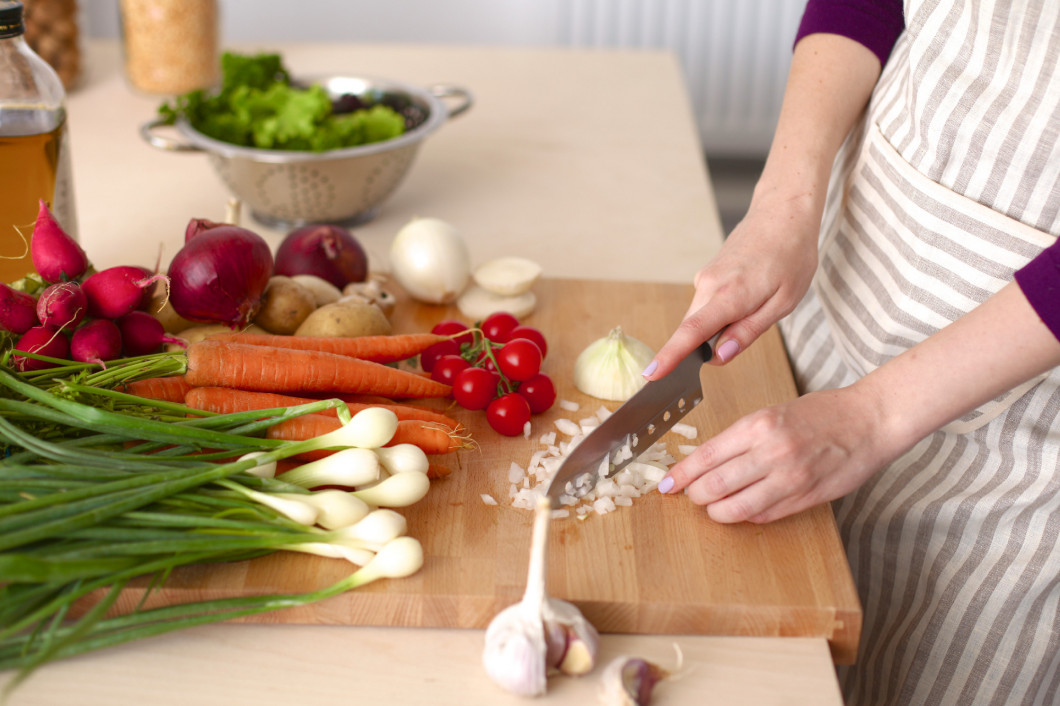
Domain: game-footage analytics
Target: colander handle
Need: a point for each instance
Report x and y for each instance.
(162, 142)
(462, 96)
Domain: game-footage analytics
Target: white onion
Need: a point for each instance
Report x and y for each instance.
(430, 260)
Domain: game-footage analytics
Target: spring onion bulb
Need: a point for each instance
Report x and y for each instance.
(376, 528)
(348, 467)
(355, 555)
(403, 458)
(610, 368)
(398, 490)
(290, 506)
(335, 508)
(370, 428)
(267, 469)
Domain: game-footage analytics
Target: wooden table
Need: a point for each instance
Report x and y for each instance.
(616, 189)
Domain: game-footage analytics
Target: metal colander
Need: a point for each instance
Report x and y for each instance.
(285, 188)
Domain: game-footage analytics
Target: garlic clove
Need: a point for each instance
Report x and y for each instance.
(507, 276)
(629, 681)
(582, 641)
(477, 303)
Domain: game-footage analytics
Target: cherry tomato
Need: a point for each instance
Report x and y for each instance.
(519, 359)
(448, 327)
(447, 367)
(435, 352)
(531, 333)
(475, 388)
(498, 326)
(539, 392)
(508, 414)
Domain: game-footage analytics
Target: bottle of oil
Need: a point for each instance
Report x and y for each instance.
(34, 145)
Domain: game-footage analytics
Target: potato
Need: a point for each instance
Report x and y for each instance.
(346, 318)
(324, 292)
(284, 305)
(198, 332)
(162, 310)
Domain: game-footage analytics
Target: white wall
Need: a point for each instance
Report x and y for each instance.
(734, 53)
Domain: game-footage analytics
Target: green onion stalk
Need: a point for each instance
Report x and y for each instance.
(99, 487)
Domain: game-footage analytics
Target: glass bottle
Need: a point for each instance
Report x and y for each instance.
(34, 145)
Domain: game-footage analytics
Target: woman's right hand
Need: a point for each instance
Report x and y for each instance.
(762, 271)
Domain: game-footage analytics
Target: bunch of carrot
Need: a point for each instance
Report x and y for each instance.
(238, 372)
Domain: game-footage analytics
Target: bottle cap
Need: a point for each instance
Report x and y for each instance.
(10, 19)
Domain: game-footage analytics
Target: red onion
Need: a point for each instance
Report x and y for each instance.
(327, 251)
(219, 276)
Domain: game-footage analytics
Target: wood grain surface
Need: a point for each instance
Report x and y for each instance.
(658, 567)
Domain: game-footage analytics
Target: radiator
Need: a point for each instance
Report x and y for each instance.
(735, 55)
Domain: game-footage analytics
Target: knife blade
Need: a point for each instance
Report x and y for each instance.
(632, 428)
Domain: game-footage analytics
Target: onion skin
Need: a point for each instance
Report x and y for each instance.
(327, 251)
(220, 275)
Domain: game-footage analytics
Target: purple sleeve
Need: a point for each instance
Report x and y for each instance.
(1040, 281)
(875, 24)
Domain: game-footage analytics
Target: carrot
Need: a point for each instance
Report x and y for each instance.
(225, 400)
(171, 388)
(265, 369)
(432, 438)
(437, 470)
(380, 349)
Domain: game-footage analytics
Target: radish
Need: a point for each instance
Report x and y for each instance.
(61, 305)
(42, 341)
(142, 333)
(18, 310)
(116, 291)
(97, 341)
(56, 256)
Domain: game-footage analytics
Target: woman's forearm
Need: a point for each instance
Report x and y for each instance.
(828, 87)
(997, 346)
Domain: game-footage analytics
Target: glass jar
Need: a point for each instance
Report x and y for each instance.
(53, 32)
(171, 46)
(34, 145)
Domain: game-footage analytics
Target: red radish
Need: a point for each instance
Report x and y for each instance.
(56, 256)
(219, 276)
(18, 310)
(97, 341)
(327, 251)
(142, 333)
(61, 306)
(44, 342)
(116, 291)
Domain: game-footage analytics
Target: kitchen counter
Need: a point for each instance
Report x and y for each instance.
(613, 188)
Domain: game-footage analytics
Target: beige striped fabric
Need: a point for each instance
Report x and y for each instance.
(951, 184)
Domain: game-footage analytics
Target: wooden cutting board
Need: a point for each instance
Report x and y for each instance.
(658, 567)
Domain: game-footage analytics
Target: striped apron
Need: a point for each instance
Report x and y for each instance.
(949, 184)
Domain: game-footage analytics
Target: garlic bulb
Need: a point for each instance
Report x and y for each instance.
(610, 367)
(539, 634)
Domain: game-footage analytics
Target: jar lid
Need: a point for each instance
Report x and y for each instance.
(10, 18)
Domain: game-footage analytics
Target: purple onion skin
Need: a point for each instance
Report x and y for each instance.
(56, 256)
(97, 341)
(62, 306)
(220, 275)
(116, 291)
(327, 251)
(141, 333)
(198, 225)
(43, 341)
(18, 310)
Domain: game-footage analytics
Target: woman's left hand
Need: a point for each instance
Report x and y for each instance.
(784, 459)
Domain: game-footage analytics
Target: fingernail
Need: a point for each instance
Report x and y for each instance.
(666, 485)
(727, 350)
(651, 368)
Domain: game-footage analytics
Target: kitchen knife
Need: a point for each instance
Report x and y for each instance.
(632, 428)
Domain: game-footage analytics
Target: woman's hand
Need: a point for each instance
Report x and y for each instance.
(784, 459)
(763, 270)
